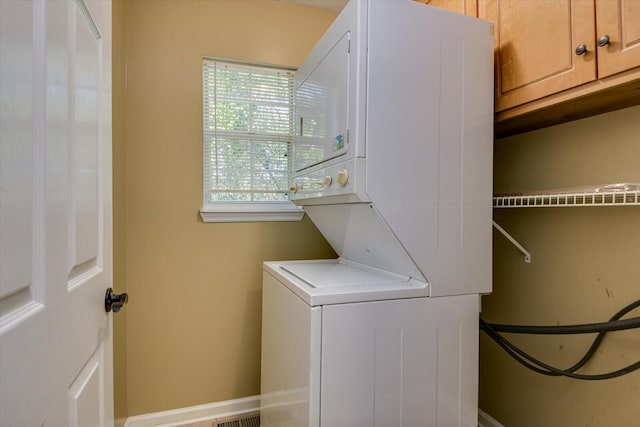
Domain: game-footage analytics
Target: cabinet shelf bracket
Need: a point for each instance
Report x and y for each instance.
(527, 255)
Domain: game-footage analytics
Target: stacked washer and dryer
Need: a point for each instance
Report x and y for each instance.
(392, 161)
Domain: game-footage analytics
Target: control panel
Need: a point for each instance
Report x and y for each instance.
(343, 179)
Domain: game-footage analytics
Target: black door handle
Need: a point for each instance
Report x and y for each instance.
(114, 301)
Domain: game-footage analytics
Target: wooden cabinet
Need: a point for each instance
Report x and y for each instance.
(542, 75)
(535, 43)
(620, 21)
(465, 7)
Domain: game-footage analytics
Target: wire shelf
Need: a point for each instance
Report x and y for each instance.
(603, 198)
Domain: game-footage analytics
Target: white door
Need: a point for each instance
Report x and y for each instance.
(55, 213)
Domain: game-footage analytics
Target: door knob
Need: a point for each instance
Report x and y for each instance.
(114, 301)
(581, 49)
(603, 41)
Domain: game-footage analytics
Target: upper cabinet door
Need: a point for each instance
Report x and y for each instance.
(536, 44)
(618, 21)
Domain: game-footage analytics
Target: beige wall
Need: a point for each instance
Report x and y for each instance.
(192, 332)
(584, 269)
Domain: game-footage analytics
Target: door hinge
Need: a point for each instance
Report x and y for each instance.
(349, 46)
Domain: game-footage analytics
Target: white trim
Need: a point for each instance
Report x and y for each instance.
(251, 64)
(486, 420)
(251, 212)
(230, 408)
(198, 413)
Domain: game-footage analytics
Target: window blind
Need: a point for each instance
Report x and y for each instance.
(247, 127)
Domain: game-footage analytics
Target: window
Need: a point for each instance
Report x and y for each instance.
(247, 134)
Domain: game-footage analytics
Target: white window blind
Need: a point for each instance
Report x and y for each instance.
(247, 130)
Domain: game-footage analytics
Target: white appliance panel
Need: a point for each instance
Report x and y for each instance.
(321, 186)
(429, 141)
(322, 109)
(400, 363)
(290, 376)
(341, 50)
(357, 232)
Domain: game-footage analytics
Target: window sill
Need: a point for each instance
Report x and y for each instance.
(251, 212)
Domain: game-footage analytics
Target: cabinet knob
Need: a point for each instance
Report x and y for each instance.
(603, 41)
(581, 49)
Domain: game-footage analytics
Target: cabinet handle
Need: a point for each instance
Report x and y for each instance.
(581, 49)
(603, 41)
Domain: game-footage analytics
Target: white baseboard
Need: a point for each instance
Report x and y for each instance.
(195, 414)
(230, 408)
(485, 420)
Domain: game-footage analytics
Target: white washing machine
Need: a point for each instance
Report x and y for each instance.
(344, 344)
(392, 161)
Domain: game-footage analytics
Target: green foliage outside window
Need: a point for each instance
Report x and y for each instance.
(247, 124)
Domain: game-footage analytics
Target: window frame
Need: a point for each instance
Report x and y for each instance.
(244, 211)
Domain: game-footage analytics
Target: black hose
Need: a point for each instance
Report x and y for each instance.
(614, 324)
(590, 328)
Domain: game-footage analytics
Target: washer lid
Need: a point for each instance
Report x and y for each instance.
(332, 273)
(339, 281)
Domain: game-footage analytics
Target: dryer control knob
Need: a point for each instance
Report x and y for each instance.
(295, 187)
(327, 180)
(343, 177)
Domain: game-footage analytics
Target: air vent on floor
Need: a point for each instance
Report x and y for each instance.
(247, 420)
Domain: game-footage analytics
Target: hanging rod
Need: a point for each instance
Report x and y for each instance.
(527, 255)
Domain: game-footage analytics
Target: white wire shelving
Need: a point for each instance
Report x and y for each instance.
(623, 194)
(595, 198)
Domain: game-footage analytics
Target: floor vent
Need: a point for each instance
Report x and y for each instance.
(246, 420)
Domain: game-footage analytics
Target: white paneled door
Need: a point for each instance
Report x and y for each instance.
(55, 213)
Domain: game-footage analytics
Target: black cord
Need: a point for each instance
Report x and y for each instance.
(493, 331)
(545, 369)
(591, 328)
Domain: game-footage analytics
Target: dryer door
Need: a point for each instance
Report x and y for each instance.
(322, 108)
